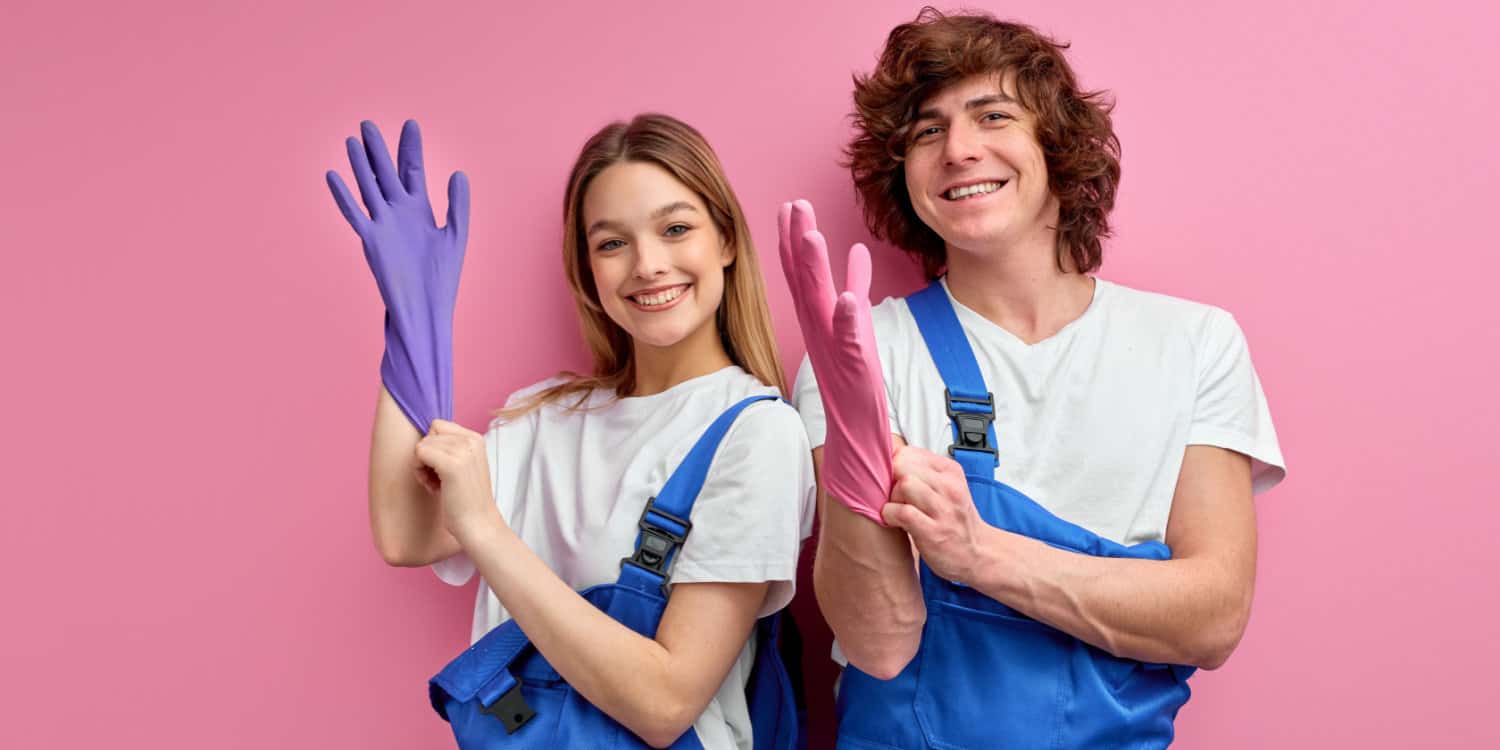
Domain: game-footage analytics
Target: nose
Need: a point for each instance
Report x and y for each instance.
(960, 144)
(652, 259)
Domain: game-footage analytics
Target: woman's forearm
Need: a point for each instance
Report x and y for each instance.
(406, 520)
(639, 682)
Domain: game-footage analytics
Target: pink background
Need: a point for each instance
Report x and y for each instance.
(192, 336)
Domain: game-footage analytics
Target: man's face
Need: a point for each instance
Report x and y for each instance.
(974, 169)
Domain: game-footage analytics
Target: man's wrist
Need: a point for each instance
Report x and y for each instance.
(997, 570)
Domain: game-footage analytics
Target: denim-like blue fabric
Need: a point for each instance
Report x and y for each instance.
(987, 676)
(478, 677)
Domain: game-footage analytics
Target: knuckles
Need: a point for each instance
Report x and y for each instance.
(905, 460)
(950, 468)
(906, 487)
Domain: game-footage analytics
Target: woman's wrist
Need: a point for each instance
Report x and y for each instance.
(480, 530)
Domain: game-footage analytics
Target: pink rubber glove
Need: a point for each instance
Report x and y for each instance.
(840, 341)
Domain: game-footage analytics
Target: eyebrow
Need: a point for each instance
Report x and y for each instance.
(976, 103)
(670, 208)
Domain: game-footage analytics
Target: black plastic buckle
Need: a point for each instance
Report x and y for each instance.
(655, 553)
(973, 427)
(511, 709)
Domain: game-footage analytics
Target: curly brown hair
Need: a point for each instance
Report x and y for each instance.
(1073, 127)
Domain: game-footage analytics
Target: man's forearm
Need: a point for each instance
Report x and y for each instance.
(866, 582)
(1180, 611)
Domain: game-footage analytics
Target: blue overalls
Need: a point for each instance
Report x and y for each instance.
(987, 676)
(502, 693)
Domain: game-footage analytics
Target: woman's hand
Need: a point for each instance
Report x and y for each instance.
(456, 455)
(416, 265)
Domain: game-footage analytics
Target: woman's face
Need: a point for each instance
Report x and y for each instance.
(657, 257)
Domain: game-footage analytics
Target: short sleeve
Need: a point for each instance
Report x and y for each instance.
(1230, 409)
(810, 404)
(755, 507)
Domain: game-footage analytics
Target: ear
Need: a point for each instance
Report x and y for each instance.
(726, 254)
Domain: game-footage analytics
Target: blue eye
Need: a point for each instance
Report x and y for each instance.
(610, 245)
(677, 230)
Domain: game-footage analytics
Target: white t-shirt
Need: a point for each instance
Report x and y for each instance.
(572, 484)
(1091, 423)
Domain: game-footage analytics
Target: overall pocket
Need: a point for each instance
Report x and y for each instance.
(474, 729)
(988, 677)
(1123, 703)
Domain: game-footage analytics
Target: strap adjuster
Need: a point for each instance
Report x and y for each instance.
(973, 427)
(654, 555)
(511, 709)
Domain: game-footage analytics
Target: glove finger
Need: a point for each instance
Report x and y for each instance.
(846, 319)
(380, 160)
(784, 245)
(850, 333)
(409, 161)
(816, 278)
(365, 178)
(854, 333)
(345, 201)
(857, 280)
(458, 207)
(789, 268)
(803, 219)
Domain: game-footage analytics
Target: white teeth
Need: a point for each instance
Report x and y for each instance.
(968, 190)
(659, 298)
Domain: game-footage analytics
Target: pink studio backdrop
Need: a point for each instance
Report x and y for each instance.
(192, 336)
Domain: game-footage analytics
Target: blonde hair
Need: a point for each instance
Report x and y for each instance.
(743, 319)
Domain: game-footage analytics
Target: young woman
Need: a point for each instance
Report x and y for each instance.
(547, 503)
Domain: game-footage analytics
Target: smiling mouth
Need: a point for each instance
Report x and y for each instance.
(974, 191)
(658, 298)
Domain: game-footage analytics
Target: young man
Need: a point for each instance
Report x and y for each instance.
(1065, 528)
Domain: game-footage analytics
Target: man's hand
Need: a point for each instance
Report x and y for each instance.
(930, 500)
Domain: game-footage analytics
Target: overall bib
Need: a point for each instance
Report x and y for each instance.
(501, 693)
(986, 676)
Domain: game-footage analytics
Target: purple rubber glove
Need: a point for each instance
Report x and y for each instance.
(416, 265)
(840, 341)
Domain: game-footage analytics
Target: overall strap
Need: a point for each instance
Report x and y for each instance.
(970, 404)
(664, 521)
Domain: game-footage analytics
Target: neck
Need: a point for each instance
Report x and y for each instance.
(1019, 287)
(658, 368)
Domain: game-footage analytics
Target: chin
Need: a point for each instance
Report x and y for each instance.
(975, 242)
(971, 231)
(659, 339)
(658, 334)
